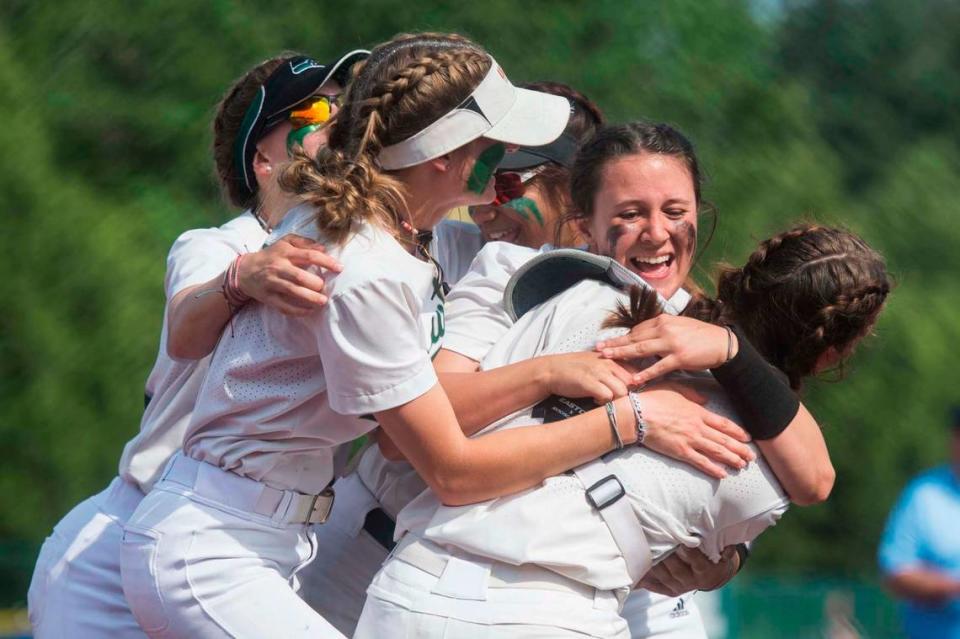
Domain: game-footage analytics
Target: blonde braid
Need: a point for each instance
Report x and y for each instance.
(403, 86)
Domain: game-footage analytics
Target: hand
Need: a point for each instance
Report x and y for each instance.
(678, 426)
(689, 569)
(277, 275)
(586, 374)
(682, 343)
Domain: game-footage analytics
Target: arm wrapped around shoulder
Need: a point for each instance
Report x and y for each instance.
(761, 396)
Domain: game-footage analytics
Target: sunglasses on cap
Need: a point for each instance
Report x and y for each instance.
(314, 110)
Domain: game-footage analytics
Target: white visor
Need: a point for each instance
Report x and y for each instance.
(497, 110)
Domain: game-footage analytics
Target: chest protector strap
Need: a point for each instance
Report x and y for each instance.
(606, 494)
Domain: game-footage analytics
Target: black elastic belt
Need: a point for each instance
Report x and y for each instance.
(380, 526)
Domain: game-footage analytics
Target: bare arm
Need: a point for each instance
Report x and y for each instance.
(463, 471)
(923, 584)
(799, 458)
(276, 276)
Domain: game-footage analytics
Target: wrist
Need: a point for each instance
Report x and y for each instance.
(626, 420)
(543, 373)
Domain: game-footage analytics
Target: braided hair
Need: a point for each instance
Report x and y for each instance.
(405, 85)
(799, 294)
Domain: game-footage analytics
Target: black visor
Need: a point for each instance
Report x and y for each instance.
(290, 84)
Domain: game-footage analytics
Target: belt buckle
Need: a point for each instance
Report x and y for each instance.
(602, 501)
(321, 506)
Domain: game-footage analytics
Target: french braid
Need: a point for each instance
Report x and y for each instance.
(405, 85)
(799, 294)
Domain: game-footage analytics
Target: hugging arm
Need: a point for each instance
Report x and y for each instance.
(275, 276)
(784, 430)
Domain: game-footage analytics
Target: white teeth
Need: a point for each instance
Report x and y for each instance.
(497, 236)
(661, 259)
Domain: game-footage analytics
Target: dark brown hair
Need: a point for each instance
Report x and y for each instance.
(799, 294)
(633, 138)
(226, 125)
(405, 84)
(553, 180)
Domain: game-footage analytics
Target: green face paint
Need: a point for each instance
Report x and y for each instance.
(296, 136)
(526, 208)
(487, 162)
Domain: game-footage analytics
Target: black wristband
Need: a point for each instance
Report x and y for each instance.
(744, 551)
(757, 390)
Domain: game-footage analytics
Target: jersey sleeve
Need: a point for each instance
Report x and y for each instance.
(901, 544)
(746, 530)
(369, 338)
(198, 256)
(475, 316)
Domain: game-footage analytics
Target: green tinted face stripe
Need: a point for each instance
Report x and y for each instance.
(240, 148)
(487, 162)
(526, 207)
(296, 136)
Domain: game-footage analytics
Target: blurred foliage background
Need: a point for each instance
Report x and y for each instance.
(842, 111)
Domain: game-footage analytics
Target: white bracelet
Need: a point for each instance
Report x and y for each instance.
(638, 415)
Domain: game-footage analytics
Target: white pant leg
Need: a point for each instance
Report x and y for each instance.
(193, 568)
(663, 617)
(335, 582)
(75, 590)
(405, 601)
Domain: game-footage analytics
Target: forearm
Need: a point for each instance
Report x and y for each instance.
(799, 458)
(925, 585)
(483, 397)
(463, 471)
(196, 317)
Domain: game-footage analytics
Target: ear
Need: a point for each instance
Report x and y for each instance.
(827, 360)
(583, 226)
(442, 163)
(262, 166)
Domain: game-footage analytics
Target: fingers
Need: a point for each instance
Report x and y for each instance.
(703, 464)
(653, 584)
(303, 278)
(727, 427)
(637, 349)
(718, 452)
(313, 257)
(643, 330)
(658, 369)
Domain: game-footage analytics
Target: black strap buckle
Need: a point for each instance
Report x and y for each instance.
(607, 493)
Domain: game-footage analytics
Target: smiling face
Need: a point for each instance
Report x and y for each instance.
(530, 220)
(645, 217)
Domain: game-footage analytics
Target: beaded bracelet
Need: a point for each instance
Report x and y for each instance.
(612, 418)
(638, 415)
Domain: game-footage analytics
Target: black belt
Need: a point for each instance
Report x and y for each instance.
(380, 526)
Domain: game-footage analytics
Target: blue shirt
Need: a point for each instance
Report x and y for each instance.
(924, 531)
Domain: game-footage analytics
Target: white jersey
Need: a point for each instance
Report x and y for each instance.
(454, 245)
(553, 525)
(395, 483)
(196, 257)
(268, 410)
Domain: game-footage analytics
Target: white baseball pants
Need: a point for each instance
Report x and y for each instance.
(199, 567)
(335, 582)
(75, 590)
(459, 597)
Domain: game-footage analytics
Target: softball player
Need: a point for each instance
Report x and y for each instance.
(214, 548)
(562, 555)
(76, 586)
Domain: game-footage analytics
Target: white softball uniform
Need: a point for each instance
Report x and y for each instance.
(75, 590)
(214, 548)
(476, 320)
(348, 556)
(554, 527)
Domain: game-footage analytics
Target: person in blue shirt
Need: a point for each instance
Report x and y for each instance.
(920, 550)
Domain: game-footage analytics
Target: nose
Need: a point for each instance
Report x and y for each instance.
(657, 232)
(483, 214)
